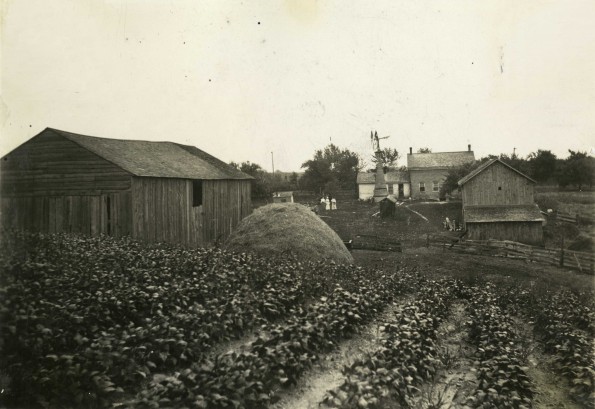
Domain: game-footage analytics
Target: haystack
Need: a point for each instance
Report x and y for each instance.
(280, 229)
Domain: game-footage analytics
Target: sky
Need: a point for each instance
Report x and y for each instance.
(242, 79)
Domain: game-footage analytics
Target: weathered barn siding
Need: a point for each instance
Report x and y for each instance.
(53, 185)
(92, 215)
(163, 210)
(225, 203)
(524, 232)
(498, 185)
(160, 210)
(53, 165)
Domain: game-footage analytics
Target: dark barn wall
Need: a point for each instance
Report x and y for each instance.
(522, 232)
(51, 184)
(163, 209)
(226, 203)
(483, 188)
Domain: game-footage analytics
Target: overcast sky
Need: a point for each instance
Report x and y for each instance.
(240, 79)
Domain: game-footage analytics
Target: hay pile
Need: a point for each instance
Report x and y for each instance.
(288, 229)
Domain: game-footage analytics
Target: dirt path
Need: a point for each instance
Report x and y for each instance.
(327, 374)
(457, 381)
(417, 213)
(551, 391)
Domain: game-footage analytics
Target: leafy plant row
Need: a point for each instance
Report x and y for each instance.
(503, 382)
(251, 378)
(563, 322)
(407, 358)
(83, 320)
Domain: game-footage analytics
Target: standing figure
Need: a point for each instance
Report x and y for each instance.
(327, 202)
(333, 204)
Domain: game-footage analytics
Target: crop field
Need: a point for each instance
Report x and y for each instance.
(112, 323)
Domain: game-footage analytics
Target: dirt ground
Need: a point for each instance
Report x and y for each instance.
(411, 229)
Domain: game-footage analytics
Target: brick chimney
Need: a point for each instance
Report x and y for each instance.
(469, 147)
(410, 150)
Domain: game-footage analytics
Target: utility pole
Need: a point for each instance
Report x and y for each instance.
(273, 162)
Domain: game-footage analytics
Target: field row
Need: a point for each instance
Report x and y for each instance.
(102, 322)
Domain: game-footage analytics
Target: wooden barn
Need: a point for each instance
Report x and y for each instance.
(155, 191)
(498, 203)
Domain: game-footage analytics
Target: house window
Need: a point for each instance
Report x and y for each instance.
(499, 187)
(435, 186)
(391, 189)
(422, 187)
(196, 193)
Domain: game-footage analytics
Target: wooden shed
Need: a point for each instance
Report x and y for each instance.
(498, 203)
(155, 191)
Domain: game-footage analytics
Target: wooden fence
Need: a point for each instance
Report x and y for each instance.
(572, 218)
(583, 262)
(373, 242)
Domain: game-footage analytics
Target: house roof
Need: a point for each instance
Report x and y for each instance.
(486, 165)
(493, 214)
(439, 159)
(156, 159)
(392, 176)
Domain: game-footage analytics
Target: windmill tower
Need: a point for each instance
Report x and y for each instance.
(380, 191)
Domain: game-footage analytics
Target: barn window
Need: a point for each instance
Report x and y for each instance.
(499, 187)
(435, 186)
(196, 193)
(422, 187)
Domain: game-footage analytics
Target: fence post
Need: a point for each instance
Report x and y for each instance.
(562, 253)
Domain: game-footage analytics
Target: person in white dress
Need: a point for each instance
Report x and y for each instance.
(327, 202)
(333, 204)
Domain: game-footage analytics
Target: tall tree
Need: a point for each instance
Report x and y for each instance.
(331, 168)
(542, 164)
(424, 150)
(260, 186)
(578, 170)
(388, 157)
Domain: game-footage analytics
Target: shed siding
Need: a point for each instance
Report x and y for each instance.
(522, 232)
(483, 188)
(54, 166)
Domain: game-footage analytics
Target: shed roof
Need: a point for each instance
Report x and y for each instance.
(494, 214)
(156, 159)
(486, 165)
(439, 159)
(392, 176)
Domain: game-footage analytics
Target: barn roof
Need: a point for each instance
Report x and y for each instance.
(156, 159)
(487, 165)
(493, 214)
(392, 176)
(416, 161)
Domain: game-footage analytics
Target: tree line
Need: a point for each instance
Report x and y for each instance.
(577, 170)
(333, 168)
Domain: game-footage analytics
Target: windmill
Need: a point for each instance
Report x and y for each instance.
(380, 190)
(376, 141)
